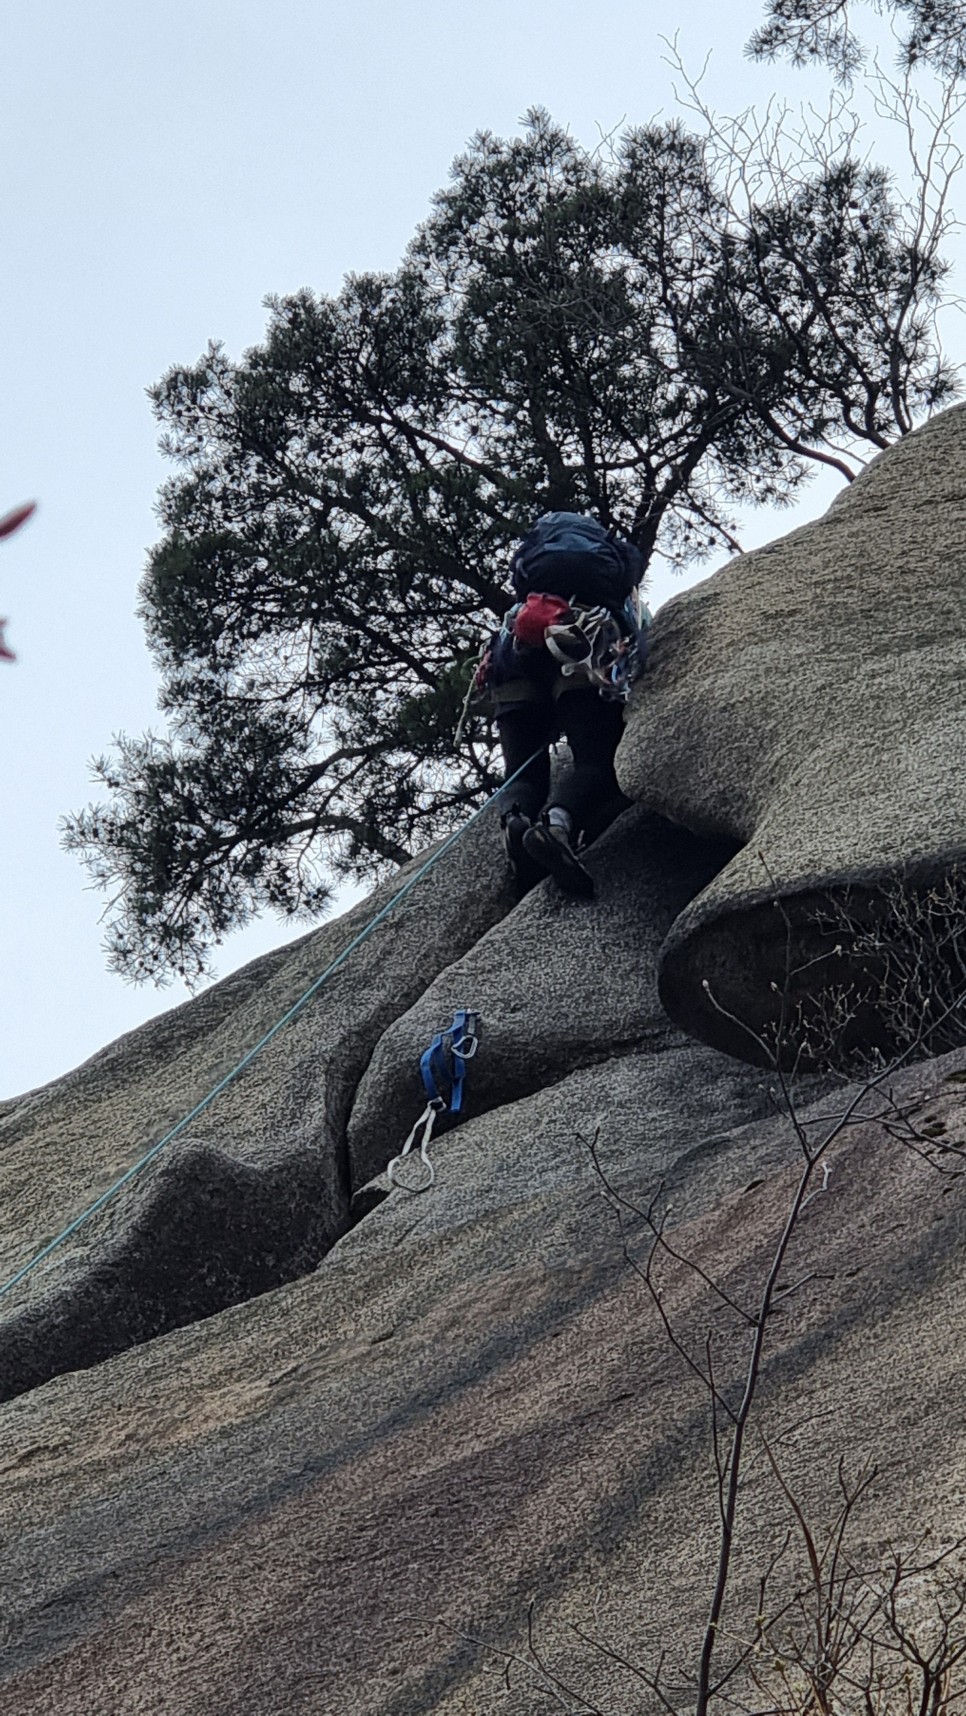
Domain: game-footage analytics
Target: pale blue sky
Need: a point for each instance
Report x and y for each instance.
(162, 168)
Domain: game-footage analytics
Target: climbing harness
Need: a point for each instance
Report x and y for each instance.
(442, 1068)
(593, 647)
(246, 1060)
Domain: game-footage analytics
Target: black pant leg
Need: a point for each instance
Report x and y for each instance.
(523, 731)
(589, 789)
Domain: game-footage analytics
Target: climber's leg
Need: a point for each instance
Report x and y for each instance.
(588, 790)
(526, 732)
(549, 844)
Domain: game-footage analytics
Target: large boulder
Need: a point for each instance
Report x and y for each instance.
(809, 703)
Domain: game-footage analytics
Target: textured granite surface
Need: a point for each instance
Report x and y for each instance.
(258, 1189)
(559, 984)
(809, 702)
(346, 1494)
(338, 1466)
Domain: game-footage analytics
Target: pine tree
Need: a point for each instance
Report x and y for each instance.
(821, 30)
(603, 332)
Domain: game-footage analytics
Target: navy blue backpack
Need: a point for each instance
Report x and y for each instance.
(569, 555)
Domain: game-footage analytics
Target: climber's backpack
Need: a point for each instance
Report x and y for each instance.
(568, 555)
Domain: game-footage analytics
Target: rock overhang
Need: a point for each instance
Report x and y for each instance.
(809, 702)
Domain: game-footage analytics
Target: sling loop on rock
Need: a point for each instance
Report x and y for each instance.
(471, 690)
(442, 1064)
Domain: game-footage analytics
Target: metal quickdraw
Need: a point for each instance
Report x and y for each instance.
(593, 646)
(442, 1068)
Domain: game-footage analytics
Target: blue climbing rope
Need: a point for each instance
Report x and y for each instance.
(246, 1060)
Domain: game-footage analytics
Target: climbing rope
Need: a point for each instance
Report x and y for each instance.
(246, 1060)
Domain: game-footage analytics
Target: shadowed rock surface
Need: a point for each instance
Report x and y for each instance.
(808, 702)
(344, 1493)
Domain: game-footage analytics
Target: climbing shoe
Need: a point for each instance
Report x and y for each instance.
(550, 847)
(524, 871)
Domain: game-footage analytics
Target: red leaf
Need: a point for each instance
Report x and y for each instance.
(13, 520)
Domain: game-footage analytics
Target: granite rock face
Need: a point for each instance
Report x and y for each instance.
(809, 703)
(258, 1189)
(559, 984)
(292, 1461)
(347, 1493)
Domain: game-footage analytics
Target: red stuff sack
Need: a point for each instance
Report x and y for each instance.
(539, 611)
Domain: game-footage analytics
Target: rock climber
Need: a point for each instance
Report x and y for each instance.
(563, 662)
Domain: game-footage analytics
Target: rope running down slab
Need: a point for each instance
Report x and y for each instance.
(246, 1060)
